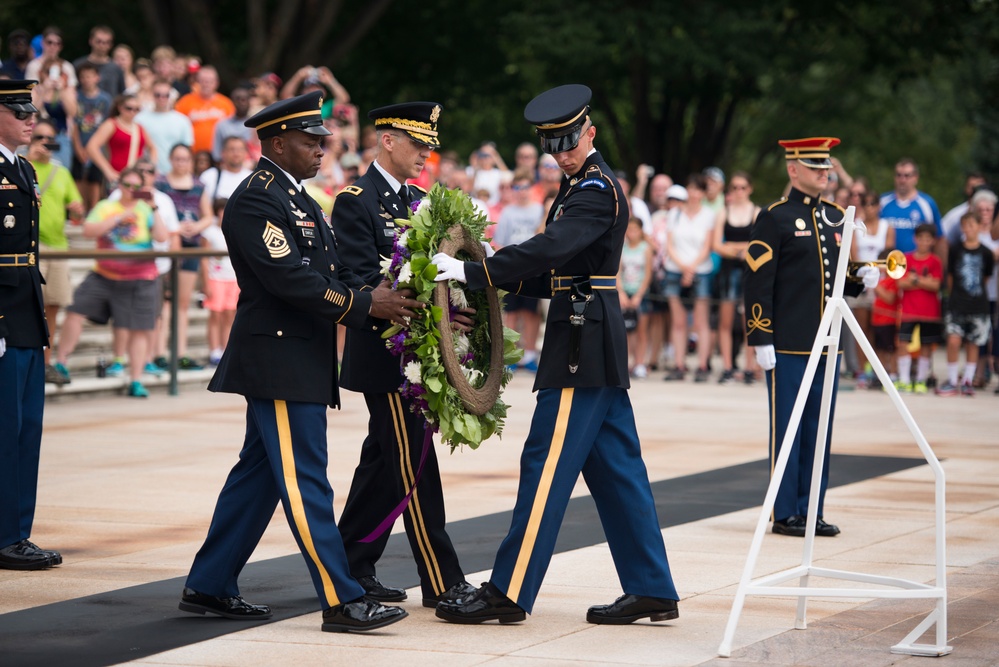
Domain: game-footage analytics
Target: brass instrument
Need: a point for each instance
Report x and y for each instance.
(894, 263)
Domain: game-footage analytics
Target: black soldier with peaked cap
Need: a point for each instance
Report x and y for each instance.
(23, 335)
(584, 421)
(363, 219)
(282, 357)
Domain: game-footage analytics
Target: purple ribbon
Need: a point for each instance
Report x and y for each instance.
(387, 522)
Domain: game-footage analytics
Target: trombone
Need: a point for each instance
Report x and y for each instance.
(894, 263)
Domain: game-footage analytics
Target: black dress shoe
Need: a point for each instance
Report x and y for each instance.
(823, 529)
(25, 555)
(360, 615)
(235, 608)
(456, 593)
(376, 590)
(629, 608)
(793, 525)
(485, 604)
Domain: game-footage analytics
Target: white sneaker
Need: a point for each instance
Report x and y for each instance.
(640, 372)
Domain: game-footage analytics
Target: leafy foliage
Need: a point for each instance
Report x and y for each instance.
(418, 346)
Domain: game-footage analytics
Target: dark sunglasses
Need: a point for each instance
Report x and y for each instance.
(21, 115)
(519, 187)
(129, 108)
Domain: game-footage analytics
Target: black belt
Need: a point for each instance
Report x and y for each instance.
(580, 295)
(22, 259)
(561, 283)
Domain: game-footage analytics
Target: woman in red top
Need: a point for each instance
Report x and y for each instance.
(124, 139)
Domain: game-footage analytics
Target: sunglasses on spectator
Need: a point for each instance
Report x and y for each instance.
(131, 186)
(42, 137)
(859, 195)
(737, 187)
(519, 187)
(132, 109)
(161, 94)
(146, 171)
(54, 42)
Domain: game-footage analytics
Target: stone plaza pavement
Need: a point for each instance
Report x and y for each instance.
(127, 488)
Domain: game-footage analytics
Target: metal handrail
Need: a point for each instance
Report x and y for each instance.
(173, 255)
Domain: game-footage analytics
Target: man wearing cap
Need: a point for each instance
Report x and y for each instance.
(584, 421)
(281, 357)
(363, 219)
(23, 334)
(792, 256)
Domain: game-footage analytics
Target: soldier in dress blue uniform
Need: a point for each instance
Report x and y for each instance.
(282, 357)
(363, 219)
(792, 259)
(584, 420)
(23, 335)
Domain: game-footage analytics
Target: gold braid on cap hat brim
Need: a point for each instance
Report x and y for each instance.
(301, 114)
(555, 126)
(408, 125)
(806, 153)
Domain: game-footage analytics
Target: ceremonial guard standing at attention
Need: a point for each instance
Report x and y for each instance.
(584, 421)
(792, 258)
(363, 219)
(282, 357)
(23, 335)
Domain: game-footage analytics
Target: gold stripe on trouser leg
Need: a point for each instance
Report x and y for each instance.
(409, 479)
(773, 428)
(295, 498)
(541, 495)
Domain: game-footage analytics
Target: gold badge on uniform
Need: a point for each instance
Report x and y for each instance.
(799, 223)
(275, 241)
(8, 222)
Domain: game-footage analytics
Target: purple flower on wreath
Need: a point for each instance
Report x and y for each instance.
(467, 359)
(398, 343)
(413, 205)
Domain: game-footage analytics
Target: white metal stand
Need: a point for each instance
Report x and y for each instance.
(836, 313)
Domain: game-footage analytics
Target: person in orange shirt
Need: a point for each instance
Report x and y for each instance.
(205, 107)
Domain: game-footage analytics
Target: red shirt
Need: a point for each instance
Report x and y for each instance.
(882, 312)
(920, 305)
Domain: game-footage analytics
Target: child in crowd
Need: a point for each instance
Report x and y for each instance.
(920, 326)
(884, 320)
(633, 284)
(220, 288)
(969, 266)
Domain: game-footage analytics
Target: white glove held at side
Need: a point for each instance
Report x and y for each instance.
(766, 356)
(448, 268)
(3, 346)
(870, 275)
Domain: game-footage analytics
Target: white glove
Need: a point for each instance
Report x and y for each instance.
(487, 248)
(3, 346)
(449, 268)
(766, 356)
(871, 276)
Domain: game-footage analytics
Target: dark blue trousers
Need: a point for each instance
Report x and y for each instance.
(22, 402)
(782, 385)
(284, 458)
(588, 430)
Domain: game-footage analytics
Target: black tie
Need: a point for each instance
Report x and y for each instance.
(404, 195)
(25, 170)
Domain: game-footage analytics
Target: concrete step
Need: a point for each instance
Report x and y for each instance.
(89, 386)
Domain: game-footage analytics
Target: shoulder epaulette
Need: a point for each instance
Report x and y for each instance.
(351, 190)
(777, 203)
(834, 205)
(413, 185)
(261, 175)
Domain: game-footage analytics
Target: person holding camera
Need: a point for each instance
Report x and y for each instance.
(123, 290)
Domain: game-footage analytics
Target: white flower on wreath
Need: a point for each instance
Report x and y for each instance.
(412, 372)
(461, 344)
(403, 239)
(424, 205)
(457, 296)
(471, 374)
(405, 272)
(385, 263)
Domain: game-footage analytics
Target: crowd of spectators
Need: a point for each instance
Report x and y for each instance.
(164, 121)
